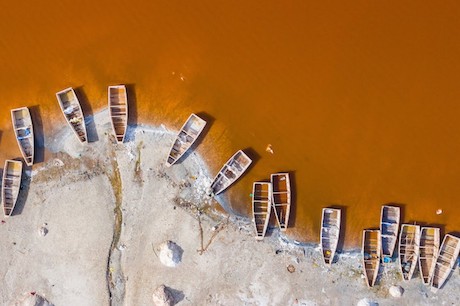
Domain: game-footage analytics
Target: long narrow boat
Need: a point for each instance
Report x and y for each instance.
(186, 137)
(281, 199)
(445, 262)
(372, 248)
(24, 131)
(118, 108)
(261, 206)
(72, 112)
(389, 227)
(12, 173)
(230, 172)
(409, 243)
(330, 233)
(429, 248)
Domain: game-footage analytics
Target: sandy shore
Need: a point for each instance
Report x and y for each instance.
(107, 207)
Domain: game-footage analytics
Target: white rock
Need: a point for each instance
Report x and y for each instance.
(367, 302)
(31, 299)
(396, 291)
(42, 231)
(162, 297)
(170, 254)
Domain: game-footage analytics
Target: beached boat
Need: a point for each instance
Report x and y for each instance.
(389, 227)
(24, 131)
(429, 248)
(445, 261)
(12, 173)
(281, 200)
(230, 172)
(187, 135)
(409, 242)
(118, 108)
(261, 206)
(330, 233)
(371, 251)
(72, 112)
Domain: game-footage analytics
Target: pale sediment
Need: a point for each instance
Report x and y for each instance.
(108, 206)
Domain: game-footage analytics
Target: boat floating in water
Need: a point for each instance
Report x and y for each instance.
(281, 200)
(230, 172)
(261, 206)
(429, 248)
(389, 227)
(186, 137)
(24, 131)
(445, 261)
(409, 242)
(330, 233)
(118, 109)
(12, 173)
(71, 109)
(371, 251)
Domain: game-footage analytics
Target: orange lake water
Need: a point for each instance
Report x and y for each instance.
(359, 100)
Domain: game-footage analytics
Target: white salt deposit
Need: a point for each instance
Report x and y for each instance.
(170, 253)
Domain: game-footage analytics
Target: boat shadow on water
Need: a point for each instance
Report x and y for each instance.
(130, 135)
(87, 110)
(24, 189)
(39, 136)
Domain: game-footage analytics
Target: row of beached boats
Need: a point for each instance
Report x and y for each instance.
(72, 111)
(118, 112)
(418, 246)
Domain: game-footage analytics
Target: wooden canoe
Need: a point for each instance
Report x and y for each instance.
(281, 199)
(71, 109)
(371, 251)
(389, 227)
(330, 233)
(261, 206)
(429, 248)
(12, 173)
(118, 109)
(186, 137)
(409, 242)
(24, 131)
(230, 172)
(445, 261)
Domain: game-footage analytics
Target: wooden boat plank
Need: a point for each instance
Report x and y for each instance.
(261, 206)
(240, 162)
(24, 132)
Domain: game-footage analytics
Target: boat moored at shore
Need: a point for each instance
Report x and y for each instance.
(118, 109)
(230, 172)
(281, 199)
(429, 248)
(11, 184)
(445, 262)
(24, 132)
(371, 253)
(186, 137)
(389, 227)
(261, 207)
(330, 233)
(71, 109)
(409, 242)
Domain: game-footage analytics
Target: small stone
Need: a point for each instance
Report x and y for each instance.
(170, 254)
(32, 299)
(396, 291)
(162, 297)
(42, 231)
(291, 268)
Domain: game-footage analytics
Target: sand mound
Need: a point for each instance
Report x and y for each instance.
(32, 299)
(162, 297)
(170, 253)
